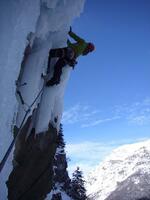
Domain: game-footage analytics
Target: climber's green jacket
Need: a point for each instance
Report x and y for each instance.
(78, 47)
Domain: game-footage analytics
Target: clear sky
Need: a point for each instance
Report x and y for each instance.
(107, 101)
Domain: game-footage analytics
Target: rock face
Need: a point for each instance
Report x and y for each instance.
(30, 29)
(125, 174)
(61, 173)
(31, 178)
(61, 180)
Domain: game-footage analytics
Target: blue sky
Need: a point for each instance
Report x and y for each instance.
(107, 101)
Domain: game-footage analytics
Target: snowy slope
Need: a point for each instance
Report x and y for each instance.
(42, 24)
(135, 187)
(128, 163)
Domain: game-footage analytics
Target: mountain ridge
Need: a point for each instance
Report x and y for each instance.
(119, 167)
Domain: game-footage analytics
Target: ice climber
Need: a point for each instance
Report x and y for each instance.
(68, 56)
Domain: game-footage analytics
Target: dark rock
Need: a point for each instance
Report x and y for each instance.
(61, 180)
(31, 178)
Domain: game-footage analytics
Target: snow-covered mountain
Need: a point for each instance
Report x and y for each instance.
(124, 175)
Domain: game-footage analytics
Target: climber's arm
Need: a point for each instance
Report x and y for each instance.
(75, 37)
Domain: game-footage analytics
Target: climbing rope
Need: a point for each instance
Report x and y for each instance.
(3, 161)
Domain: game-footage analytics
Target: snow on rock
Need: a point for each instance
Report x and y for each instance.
(41, 25)
(124, 162)
(61, 180)
(15, 27)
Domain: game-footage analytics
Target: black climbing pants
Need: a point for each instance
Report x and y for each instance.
(66, 57)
